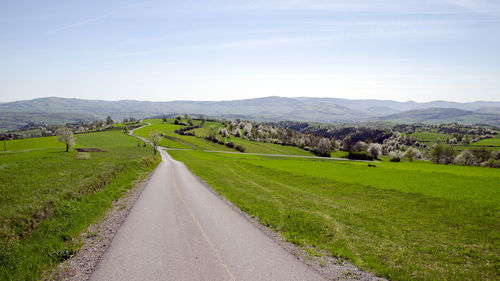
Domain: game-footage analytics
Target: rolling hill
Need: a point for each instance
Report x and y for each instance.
(55, 110)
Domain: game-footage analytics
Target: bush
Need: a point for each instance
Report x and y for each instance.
(240, 148)
(230, 144)
(359, 155)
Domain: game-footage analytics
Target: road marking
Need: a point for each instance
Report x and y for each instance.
(212, 246)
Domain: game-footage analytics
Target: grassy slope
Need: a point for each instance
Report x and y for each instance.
(488, 142)
(253, 146)
(401, 220)
(49, 196)
(190, 142)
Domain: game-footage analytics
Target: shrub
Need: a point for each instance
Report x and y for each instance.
(230, 144)
(240, 148)
(359, 155)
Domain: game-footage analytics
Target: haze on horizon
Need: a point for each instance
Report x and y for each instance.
(225, 50)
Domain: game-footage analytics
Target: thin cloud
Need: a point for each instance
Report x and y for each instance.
(235, 44)
(91, 20)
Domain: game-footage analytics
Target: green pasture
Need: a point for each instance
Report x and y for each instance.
(401, 221)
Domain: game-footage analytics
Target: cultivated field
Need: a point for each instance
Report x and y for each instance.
(48, 196)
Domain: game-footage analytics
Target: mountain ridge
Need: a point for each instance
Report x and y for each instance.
(272, 108)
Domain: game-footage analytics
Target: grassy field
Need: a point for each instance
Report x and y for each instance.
(430, 136)
(399, 220)
(48, 196)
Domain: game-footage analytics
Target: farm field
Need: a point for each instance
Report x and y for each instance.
(49, 196)
(399, 220)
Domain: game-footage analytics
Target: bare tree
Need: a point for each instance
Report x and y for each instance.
(65, 135)
(155, 138)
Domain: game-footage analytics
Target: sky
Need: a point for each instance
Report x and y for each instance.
(418, 50)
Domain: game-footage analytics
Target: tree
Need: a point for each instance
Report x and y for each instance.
(155, 138)
(466, 158)
(164, 118)
(411, 153)
(437, 153)
(125, 130)
(65, 135)
(375, 149)
(448, 155)
(109, 121)
(324, 147)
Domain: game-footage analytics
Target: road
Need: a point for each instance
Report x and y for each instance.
(180, 230)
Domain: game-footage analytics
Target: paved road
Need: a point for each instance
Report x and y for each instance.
(179, 230)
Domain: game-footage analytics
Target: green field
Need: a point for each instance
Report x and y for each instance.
(399, 220)
(430, 136)
(48, 196)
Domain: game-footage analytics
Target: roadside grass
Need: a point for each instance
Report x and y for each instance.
(49, 196)
(399, 220)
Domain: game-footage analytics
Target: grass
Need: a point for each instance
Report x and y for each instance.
(488, 142)
(34, 143)
(399, 220)
(48, 196)
(430, 136)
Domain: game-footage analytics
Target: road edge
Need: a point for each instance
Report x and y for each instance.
(98, 237)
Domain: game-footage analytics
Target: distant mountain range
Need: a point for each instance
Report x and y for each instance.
(58, 110)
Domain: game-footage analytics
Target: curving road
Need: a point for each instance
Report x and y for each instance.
(180, 230)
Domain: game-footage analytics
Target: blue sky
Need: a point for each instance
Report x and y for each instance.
(218, 50)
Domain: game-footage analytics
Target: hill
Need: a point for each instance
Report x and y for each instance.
(54, 110)
(446, 115)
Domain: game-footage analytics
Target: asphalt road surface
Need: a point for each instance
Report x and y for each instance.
(180, 230)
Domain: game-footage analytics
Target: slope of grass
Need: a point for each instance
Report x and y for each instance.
(34, 143)
(430, 136)
(48, 196)
(198, 142)
(488, 142)
(400, 220)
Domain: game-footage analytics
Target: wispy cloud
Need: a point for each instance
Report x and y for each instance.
(481, 6)
(95, 19)
(267, 42)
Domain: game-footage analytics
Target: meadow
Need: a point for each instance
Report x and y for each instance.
(49, 196)
(401, 221)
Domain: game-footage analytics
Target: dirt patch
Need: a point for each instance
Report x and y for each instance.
(97, 239)
(89, 150)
